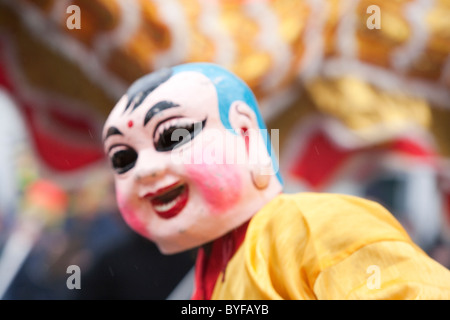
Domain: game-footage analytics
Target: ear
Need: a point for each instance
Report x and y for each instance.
(243, 120)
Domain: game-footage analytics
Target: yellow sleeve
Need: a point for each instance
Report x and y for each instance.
(326, 246)
(364, 253)
(384, 270)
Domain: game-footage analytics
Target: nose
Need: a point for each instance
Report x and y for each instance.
(149, 167)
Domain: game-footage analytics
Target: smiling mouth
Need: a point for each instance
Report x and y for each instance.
(168, 204)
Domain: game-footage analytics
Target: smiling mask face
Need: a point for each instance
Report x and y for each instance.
(178, 178)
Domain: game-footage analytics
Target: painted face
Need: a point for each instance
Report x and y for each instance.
(178, 194)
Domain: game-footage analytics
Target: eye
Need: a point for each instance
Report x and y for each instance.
(123, 159)
(177, 135)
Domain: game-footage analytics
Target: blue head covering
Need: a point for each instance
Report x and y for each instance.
(230, 88)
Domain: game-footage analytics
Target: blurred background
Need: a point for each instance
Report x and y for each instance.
(359, 92)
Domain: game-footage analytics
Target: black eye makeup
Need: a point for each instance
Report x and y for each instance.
(176, 132)
(123, 158)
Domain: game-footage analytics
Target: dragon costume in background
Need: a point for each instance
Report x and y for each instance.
(352, 99)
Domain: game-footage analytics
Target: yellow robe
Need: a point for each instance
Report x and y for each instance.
(326, 246)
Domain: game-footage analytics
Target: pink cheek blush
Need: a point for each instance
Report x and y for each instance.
(219, 184)
(130, 216)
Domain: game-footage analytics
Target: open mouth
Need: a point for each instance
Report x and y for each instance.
(167, 204)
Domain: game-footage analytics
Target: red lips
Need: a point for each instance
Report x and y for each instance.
(169, 201)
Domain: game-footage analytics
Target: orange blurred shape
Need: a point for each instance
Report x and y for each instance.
(47, 198)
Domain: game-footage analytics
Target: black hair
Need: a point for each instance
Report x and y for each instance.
(142, 87)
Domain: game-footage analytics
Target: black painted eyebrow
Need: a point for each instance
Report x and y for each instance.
(158, 107)
(112, 131)
(141, 88)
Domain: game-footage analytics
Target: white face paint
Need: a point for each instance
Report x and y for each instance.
(178, 204)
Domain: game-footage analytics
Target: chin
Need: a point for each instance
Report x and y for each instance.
(181, 245)
(168, 249)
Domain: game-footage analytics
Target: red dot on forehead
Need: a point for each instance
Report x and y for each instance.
(130, 124)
